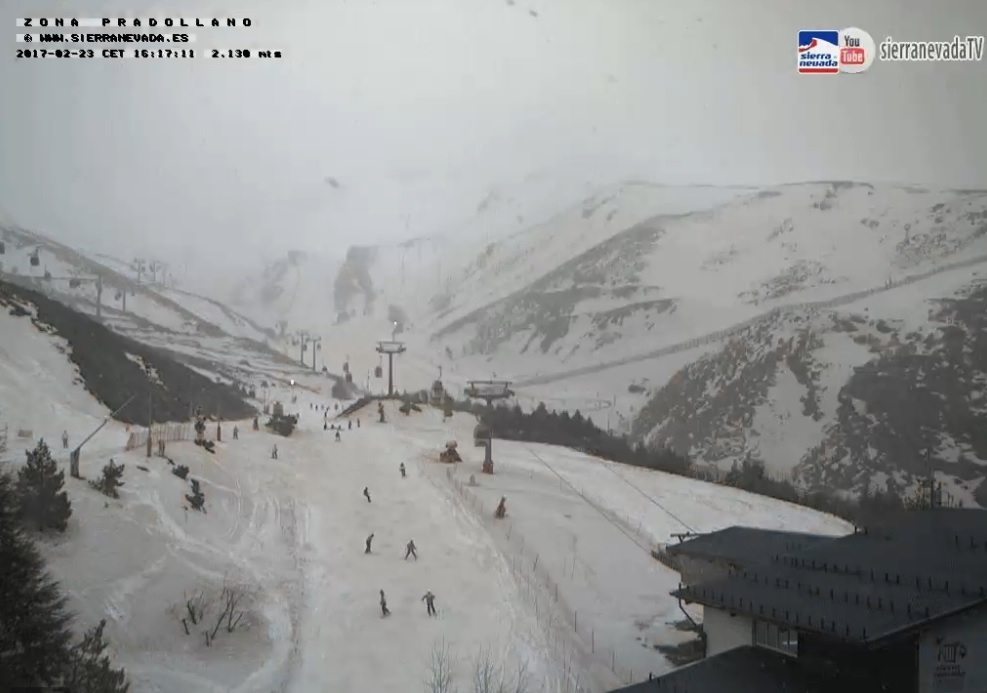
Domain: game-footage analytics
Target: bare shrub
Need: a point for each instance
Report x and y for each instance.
(489, 676)
(224, 609)
(440, 669)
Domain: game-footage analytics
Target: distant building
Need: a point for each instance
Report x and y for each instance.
(900, 606)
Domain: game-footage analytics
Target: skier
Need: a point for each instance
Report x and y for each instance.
(402, 470)
(65, 439)
(325, 427)
(369, 540)
(366, 493)
(274, 452)
(337, 436)
(236, 433)
(384, 611)
(349, 425)
(256, 424)
(358, 423)
(411, 550)
(429, 600)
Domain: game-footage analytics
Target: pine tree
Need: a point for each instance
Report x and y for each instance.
(109, 482)
(88, 670)
(34, 634)
(40, 484)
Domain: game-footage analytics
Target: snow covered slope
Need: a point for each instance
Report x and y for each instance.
(289, 534)
(668, 280)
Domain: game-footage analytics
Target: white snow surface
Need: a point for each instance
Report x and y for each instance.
(291, 532)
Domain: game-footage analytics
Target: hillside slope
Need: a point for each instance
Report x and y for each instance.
(886, 391)
(671, 279)
(114, 369)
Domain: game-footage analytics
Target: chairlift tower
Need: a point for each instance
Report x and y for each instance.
(390, 348)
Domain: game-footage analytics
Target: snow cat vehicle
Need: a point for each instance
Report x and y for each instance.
(281, 423)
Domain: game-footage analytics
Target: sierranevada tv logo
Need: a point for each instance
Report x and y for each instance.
(852, 50)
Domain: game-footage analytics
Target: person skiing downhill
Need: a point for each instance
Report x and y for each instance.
(349, 426)
(236, 433)
(429, 600)
(337, 436)
(65, 439)
(366, 493)
(403, 474)
(384, 611)
(369, 539)
(411, 550)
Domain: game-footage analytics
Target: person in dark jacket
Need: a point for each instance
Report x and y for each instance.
(429, 600)
(411, 550)
(366, 493)
(403, 474)
(384, 611)
(369, 540)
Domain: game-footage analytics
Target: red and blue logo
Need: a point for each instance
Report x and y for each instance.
(819, 52)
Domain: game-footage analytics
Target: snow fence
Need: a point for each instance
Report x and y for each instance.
(557, 618)
(170, 433)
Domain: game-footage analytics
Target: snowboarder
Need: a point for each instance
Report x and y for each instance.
(369, 540)
(274, 452)
(337, 436)
(65, 439)
(402, 470)
(384, 611)
(349, 425)
(429, 600)
(236, 433)
(366, 493)
(411, 550)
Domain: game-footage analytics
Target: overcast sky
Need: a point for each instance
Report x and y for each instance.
(418, 108)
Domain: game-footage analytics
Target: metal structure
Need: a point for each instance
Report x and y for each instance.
(303, 338)
(489, 390)
(75, 282)
(74, 455)
(390, 348)
(483, 438)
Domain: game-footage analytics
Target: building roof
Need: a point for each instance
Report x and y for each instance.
(741, 670)
(743, 545)
(865, 587)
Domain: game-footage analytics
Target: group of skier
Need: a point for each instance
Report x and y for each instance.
(410, 551)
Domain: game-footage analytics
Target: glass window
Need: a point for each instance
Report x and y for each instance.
(773, 637)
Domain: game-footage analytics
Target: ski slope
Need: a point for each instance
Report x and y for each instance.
(290, 533)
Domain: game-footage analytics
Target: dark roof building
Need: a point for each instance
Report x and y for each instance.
(900, 606)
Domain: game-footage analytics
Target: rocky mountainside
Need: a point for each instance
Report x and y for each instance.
(884, 392)
(669, 279)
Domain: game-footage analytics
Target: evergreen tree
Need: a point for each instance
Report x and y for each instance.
(88, 669)
(34, 634)
(40, 484)
(109, 481)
